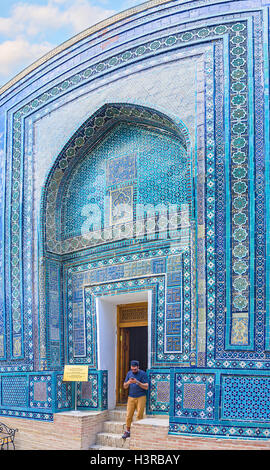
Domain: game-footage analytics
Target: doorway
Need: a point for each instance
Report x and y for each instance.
(132, 343)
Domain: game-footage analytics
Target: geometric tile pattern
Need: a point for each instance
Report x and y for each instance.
(194, 395)
(246, 398)
(14, 391)
(39, 396)
(40, 391)
(163, 392)
(90, 202)
(159, 392)
(86, 281)
(87, 394)
(227, 431)
(64, 393)
(93, 394)
(28, 396)
(121, 204)
(120, 169)
(243, 409)
(90, 293)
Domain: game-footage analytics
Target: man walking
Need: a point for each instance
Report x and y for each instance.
(137, 382)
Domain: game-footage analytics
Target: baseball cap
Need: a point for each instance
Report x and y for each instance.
(134, 363)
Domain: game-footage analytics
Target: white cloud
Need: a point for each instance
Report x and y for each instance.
(30, 20)
(26, 31)
(80, 15)
(14, 55)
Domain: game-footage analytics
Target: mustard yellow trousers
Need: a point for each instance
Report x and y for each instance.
(135, 404)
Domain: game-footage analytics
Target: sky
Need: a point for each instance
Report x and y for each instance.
(31, 28)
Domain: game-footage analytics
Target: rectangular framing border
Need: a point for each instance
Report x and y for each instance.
(158, 354)
(216, 427)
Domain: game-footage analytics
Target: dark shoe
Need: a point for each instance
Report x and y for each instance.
(126, 434)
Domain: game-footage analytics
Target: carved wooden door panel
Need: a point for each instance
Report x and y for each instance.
(123, 363)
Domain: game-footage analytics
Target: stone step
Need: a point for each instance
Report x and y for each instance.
(114, 427)
(111, 436)
(100, 447)
(120, 415)
(112, 440)
(117, 415)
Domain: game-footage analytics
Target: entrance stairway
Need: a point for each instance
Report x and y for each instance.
(111, 436)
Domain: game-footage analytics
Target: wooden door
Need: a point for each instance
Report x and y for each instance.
(123, 363)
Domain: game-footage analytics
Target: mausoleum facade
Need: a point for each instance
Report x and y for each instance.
(134, 183)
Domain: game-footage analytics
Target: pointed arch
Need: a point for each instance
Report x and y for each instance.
(55, 250)
(84, 140)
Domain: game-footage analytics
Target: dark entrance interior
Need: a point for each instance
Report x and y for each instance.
(138, 345)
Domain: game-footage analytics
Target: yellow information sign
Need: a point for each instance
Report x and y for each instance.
(75, 374)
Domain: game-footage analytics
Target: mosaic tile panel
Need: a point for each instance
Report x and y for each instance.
(91, 203)
(40, 392)
(53, 274)
(162, 172)
(2, 343)
(39, 396)
(14, 391)
(121, 169)
(236, 29)
(40, 416)
(240, 322)
(64, 392)
(85, 282)
(86, 391)
(159, 392)
(30, 396)
(205, 32)
(226, 431)
(163, 391)
(246, 398)
(93, 394)
(238, 405)
(121, 205)
(194, 395)
(154, 283)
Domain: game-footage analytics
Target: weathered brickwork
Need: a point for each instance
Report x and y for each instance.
(156, 437)
(79, 431)
(134, 162)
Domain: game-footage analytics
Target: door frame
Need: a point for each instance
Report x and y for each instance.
(121, 359)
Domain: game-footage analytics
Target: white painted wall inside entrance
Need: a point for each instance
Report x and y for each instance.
(107, 345)
(106, 308)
